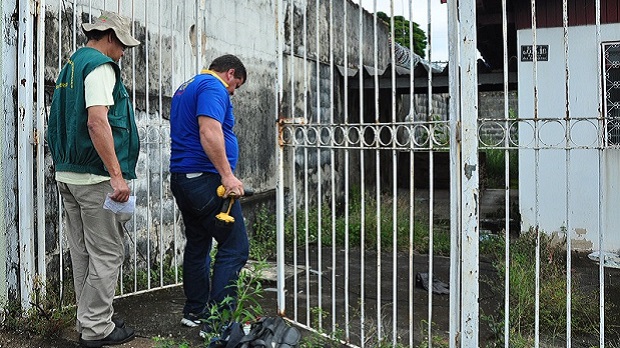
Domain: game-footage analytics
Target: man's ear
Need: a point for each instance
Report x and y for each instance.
(231, 74)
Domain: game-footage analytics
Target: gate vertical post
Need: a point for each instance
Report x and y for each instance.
(455, 165)
(25, 149)
(200, 26)
(469, 175)
(39, 141)
(280, 159)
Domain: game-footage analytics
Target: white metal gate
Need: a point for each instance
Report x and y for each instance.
(178, 39)
(49, 31)
(361, 234)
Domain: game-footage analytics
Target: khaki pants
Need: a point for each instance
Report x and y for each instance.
(96, 245)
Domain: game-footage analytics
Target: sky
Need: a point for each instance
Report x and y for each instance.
(419, 8)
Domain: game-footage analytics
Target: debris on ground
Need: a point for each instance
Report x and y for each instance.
(439, 287)
(609, 259)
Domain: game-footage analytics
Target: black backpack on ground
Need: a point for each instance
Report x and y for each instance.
(269, 332)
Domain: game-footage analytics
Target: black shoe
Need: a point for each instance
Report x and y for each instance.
(118, 322)
(117, 336)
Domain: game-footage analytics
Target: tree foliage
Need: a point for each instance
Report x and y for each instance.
(401, 33)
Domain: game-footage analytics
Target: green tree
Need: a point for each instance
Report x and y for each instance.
(401, 33)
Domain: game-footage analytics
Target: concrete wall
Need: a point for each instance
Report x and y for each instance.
(582, 179)
(491, 106)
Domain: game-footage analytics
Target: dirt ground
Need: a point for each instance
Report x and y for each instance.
(158, 313)
(154, 314)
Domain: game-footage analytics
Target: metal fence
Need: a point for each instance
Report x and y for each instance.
(362, 215)
(369, 216)
(49, 31)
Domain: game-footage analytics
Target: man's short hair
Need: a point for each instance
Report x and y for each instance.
(97, 34)
(229, 61)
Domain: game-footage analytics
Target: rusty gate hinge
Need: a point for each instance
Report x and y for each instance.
(283, 121)
(292, 120)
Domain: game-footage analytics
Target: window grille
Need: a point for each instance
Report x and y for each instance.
(611, 58)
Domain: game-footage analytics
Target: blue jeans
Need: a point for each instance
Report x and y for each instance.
(198, 202)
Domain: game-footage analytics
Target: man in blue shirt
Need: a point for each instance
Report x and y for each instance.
(204, 153)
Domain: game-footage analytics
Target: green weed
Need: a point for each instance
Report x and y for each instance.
(430, 339)
(319, 339)
(48, 315)
(263, 238)
(365, 220)
(495, 168)
(552, 293)
(370, 218)
(161, 342)
(245, 308)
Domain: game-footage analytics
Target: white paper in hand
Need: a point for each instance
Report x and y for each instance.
(118, 207)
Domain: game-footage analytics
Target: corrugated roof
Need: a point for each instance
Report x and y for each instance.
(404, 58)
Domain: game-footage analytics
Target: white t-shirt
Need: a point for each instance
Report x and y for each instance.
(98, 88)
(99, 85)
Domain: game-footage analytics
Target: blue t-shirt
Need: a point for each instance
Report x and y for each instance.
(202, 95)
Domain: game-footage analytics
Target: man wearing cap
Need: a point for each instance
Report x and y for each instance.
(94, 143)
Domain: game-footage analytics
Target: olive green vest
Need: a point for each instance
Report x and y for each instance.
(67, 131)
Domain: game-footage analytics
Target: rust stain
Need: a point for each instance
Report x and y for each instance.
(280, 131)
(36, 137)
(23, 82)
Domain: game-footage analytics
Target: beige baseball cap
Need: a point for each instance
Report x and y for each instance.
(120, 25)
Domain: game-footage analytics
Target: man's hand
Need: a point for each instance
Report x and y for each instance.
(212, 140)
(233, 186)
(121, 190)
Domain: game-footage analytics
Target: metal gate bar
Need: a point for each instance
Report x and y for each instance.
(25, 140)
(568, 167)
(455, 167)
(602, 179)
(506, 178)
(469, 175)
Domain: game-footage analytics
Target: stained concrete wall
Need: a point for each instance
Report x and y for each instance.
(152, 71)
(546, 177)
